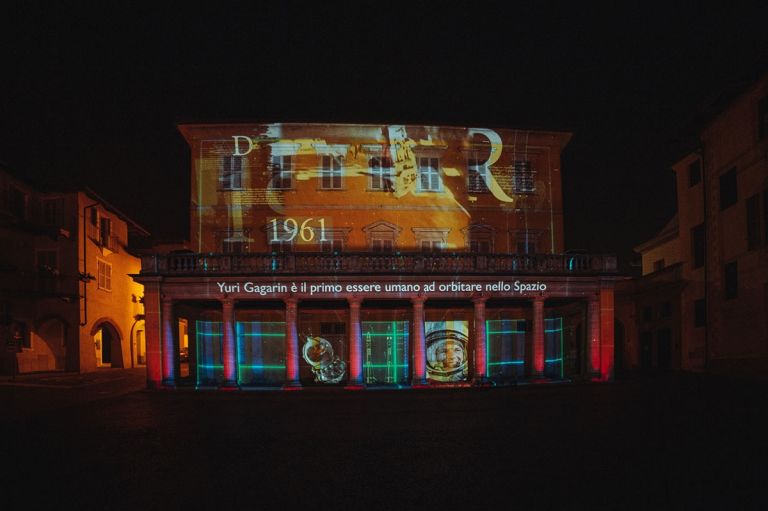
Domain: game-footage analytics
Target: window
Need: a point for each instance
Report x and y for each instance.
(105, 275)
(762, 118)
(526, 241)
(381, 172)
(20, 335)
(753, 222)
(430, 239)
(648, 313)
(105, 230)
(731, 277)
(477, 171)
(332, 246)
(429, 175)
(658, 265)
(479, 238)
(282, 172)
(728, 192)
(699, 313)
(47, 261)
(330, 173)
(694, 173)
(480, 246)
(47, 270)
(234, 246)
(52, 212)
(231, 177)
(235, 241)
(523, 178)
(381, 245)
(666, 310)
(381, 236)
(431, 245)
(526, 247)
(17, 202)
(280, 246)
(698, 245)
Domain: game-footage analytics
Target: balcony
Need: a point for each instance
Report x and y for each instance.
(363, 263)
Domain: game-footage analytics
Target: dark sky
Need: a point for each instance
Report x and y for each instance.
(93, 93)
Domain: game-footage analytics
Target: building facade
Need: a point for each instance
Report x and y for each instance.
(706, 277)
(66, 299)
(734, 185)
(363, 255)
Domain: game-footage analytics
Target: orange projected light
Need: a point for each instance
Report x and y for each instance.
(374, 188)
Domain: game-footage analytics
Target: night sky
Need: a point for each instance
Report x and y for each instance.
(92, 94)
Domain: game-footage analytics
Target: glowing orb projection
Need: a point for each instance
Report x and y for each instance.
(326, 366)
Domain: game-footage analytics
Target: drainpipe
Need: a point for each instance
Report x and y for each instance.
(84, 276)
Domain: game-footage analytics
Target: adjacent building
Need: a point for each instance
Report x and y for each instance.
(67, 302)
(705, 275)
(375, 255)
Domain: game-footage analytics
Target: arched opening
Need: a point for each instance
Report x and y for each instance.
(52, 352)
(107, 345)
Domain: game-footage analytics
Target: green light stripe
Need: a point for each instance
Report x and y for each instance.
(384, 366)
(211, 334)
(506, 332)
(206, 366)
(509, 362)
(243, 367)
(552, 360)
(386, 334)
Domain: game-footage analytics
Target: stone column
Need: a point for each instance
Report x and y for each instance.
(593, 341)
(419, 349)
(481, 374)
(153, 333)
(229, 348)
(355, 346)
(606, 334)
(291, 346)
(169, 346)
(538, 337)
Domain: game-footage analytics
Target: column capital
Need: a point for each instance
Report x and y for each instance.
(479, 300)
(354, 301)
(291, 301)
(418, 300)
(227, 302)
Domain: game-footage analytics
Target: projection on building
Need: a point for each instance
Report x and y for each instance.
(275, 188)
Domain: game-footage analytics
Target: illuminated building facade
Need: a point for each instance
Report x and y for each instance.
(67, 302)
(366, 255)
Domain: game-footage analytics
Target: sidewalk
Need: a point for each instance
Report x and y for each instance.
(60, 379)
(33, 393)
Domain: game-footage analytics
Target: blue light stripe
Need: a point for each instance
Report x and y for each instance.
(509, 362)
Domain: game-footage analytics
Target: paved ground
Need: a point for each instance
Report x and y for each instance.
(650, 442)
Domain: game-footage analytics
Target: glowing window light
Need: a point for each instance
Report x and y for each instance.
(210, 365)
(554, 327)
(260, 352)
(506, 336)
(392, 336)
